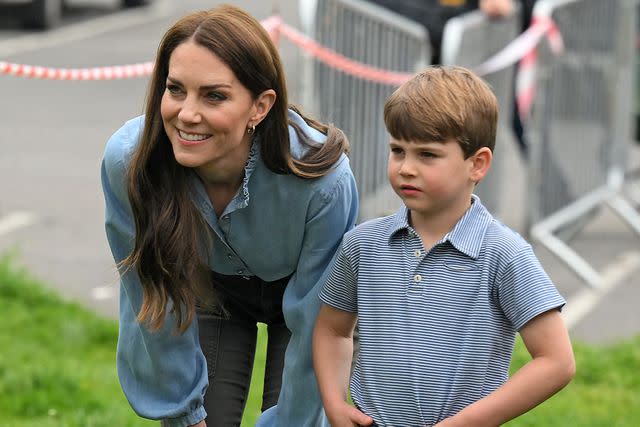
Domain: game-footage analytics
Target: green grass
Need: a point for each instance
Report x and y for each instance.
(57, 360)
(252, 410)
(604, 393)
(57, 369)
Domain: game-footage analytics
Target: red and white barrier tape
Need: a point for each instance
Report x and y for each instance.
(342, 63)
(103, 73)
(99, 73)
(526, 76)
(521, 47)
(274, 26)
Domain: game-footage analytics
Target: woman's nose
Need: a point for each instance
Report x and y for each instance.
(189, 111)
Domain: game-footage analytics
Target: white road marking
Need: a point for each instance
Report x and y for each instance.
(103, 292)
(612, 276)
(86, 29)
(15, 220)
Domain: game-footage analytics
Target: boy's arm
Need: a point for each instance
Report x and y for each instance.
(551, 368)
(332, 354)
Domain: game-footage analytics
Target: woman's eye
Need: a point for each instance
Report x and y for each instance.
(173, 89)
(216, 96)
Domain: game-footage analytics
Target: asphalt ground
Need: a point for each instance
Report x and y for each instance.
(53, 134)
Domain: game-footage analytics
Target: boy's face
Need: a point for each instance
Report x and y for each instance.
(432, 178)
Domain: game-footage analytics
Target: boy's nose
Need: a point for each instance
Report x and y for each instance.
(406, 168)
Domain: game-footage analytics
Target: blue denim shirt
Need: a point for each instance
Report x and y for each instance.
(276, 226)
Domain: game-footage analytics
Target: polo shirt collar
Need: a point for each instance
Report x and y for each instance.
(400, 221)
(466, 236)
(468, 233)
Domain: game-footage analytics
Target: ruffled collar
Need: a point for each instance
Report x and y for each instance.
(241, 198)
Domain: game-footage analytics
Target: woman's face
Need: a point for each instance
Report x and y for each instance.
(206, 111)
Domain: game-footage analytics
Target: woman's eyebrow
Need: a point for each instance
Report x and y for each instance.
(205, 87)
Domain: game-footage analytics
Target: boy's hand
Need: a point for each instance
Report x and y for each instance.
(346, 415)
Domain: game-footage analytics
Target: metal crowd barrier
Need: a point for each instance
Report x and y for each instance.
(581, 127)
(374, 36)
(469, 40)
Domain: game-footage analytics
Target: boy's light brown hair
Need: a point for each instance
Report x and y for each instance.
(443, 103)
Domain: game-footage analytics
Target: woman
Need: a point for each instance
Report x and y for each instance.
(224, 207)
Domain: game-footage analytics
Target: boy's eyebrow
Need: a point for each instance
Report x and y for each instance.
(418, 144)
(430, 145)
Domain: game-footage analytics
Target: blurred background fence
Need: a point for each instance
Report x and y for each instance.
(469, 40)
(370, 35)
(579, 130)
(581, 126)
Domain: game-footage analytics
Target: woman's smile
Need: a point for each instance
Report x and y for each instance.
(188, 138)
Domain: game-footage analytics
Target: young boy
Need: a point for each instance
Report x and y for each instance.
(440, 288)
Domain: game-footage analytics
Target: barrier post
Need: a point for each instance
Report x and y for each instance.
(580, 127)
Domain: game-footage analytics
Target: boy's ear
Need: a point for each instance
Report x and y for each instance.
(480, 164)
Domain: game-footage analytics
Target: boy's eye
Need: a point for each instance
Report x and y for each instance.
(427, 154)
(396, 150)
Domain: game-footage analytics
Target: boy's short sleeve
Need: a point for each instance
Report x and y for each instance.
(525, 290)
(340, 289)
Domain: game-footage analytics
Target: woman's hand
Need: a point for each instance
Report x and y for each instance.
(200, 424)
(496, 8)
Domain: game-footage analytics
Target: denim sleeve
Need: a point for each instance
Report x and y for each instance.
(333, 212)
(162, 374)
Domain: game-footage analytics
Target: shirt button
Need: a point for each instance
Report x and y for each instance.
(239, 271)
(417, 253)
(229, 256)
(417, 278)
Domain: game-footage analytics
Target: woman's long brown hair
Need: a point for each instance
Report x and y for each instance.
(172, 239)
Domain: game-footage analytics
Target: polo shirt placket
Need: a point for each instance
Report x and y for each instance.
(414, 255)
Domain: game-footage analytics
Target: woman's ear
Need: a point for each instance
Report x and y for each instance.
(480, 164)
(262, 105)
